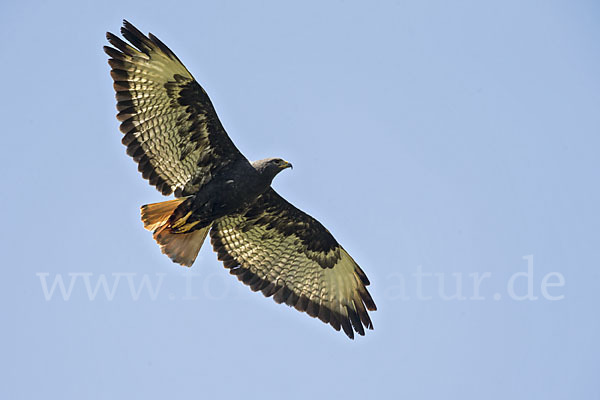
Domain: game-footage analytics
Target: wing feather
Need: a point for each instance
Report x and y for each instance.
(283, 252)
(169, 124)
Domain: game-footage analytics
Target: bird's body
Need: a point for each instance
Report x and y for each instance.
(231, 191)
(172, 131)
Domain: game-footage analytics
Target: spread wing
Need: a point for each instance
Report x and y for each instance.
(283, 252)
(171, 128)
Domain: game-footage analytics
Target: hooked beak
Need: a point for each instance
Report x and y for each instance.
(288, 165)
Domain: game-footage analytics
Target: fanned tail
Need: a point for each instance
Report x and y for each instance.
(176, 238)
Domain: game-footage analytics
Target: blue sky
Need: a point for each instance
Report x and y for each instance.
(451, 147)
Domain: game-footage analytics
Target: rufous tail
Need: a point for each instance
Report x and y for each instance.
(177, 238)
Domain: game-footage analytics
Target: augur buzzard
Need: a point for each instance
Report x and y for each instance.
(172, 131)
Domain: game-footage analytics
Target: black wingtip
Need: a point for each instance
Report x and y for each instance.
(128, 26)
(111, 37)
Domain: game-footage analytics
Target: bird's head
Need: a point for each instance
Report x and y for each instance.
(269, 167)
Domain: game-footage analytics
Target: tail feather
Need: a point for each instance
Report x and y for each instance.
(174, 235)
(157, 214)
(182, 248)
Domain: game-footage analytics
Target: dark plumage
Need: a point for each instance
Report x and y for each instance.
(172, 131)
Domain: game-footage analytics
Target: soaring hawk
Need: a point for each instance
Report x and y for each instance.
(173, 133)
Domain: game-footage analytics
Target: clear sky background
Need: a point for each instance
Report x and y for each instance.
(438, 141)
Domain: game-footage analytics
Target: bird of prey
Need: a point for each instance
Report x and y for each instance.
(174, 135)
